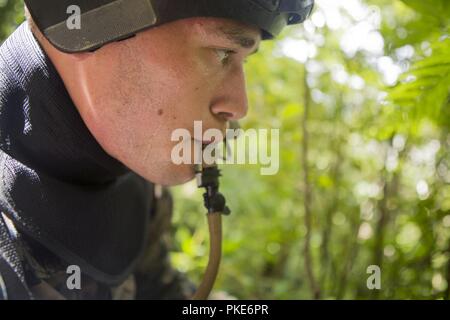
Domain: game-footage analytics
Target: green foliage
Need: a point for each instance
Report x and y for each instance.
(11, 15)
(424, 88)
(436, 9)
(427, 84)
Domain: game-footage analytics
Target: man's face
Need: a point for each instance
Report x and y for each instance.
(133, 94)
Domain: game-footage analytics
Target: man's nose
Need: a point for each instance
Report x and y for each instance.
(232, 101)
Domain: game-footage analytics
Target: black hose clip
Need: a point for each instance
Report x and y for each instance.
(208, 178)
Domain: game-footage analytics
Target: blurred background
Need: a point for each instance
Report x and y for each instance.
(360, 94)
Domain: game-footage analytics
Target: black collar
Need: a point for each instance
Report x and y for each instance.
(56, 182)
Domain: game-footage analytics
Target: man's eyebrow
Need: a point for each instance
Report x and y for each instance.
(239, 36)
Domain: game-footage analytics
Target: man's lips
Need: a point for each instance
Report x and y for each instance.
(218, 136)
(205, 143)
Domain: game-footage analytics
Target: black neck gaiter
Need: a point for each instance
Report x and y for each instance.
(56, 182)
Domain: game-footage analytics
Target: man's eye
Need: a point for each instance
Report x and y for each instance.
(224, 55)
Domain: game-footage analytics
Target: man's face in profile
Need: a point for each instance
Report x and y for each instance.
(133, 94)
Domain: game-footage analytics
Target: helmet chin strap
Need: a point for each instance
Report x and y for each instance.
(208, 178)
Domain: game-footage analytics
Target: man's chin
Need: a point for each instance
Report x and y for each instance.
(173, 175)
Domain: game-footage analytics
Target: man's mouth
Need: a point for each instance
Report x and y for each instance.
(206, 143)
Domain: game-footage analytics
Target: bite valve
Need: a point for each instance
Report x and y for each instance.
(208, 178)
